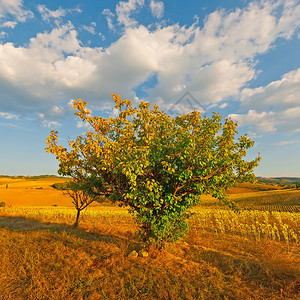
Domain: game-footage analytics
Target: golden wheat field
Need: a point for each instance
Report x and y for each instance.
(33, 192)
(253, 254)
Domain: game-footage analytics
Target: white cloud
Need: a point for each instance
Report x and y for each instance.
(281, 96)
(70, 104)
(9, 24)
(59, 13)
(109, 18)
(281, 93)
(48, 14)
(124, 11)
(182, 108)
(107, 12)
(223, 105)
(292, 113)
(47, 69)
(55, 113)
(254, 134)
(102, 36)
(213, 63)
(81, 124)
(157, 9)
(2, 34)
(252, 30)
(8, 116)
(13, 9)
(283, 143)
(91, 28)
(263, 122)
(51, 124)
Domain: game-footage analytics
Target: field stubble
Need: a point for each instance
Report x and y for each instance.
(251, 255)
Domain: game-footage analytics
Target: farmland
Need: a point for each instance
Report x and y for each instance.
(253, 254)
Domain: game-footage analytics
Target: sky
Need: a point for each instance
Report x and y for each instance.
(239, 58)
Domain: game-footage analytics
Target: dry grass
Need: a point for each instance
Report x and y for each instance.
(43, 257)
(225, 255)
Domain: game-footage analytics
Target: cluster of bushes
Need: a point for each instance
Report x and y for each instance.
(61, 186)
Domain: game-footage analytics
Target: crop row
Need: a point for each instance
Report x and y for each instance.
(271, 198)
(271, 208)
(258, 225)
(253, 224)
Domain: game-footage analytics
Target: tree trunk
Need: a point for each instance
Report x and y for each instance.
(77, 218)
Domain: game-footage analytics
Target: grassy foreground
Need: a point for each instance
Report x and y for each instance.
(253, 255)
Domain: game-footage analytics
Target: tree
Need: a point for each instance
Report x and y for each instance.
(80, 197)
(157, 165)
(82, 188)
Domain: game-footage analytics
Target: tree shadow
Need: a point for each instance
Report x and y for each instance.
(249, 269)
(24, 224)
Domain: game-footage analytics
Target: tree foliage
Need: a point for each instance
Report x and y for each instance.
(155, 164)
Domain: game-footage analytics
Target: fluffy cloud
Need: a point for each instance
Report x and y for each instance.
(48, 14)
(263, 122)
(157, 9)
(53, 64)
(9, 24)
(50, 124)
(53, 115)
(91, 28)
(283, 93)
(55, 67)
(8, 116)
(223, 105)
(109, 18)
(13, 9)
(2, 34)
(281, 97)
(125, 9)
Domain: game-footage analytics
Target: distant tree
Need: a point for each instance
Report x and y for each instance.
(156, 165)
(81, 199)
(62, 186)
(82, 189)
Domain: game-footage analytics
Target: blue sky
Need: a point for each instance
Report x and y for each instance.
(239, 58)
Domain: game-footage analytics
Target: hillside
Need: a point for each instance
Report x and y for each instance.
(280, 180)
(24, 191)
(45, 191)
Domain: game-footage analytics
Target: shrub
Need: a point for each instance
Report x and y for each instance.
(62, 186)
